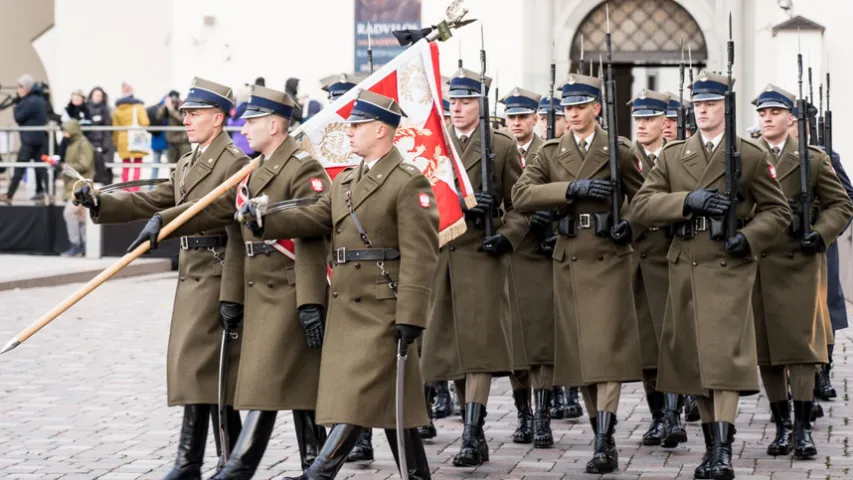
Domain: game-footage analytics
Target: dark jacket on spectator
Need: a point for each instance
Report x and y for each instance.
(79, 113)
(31, 111)
(101, 115)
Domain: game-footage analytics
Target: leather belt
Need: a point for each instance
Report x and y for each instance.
(208, 241)
(257, 248)
(344, 255)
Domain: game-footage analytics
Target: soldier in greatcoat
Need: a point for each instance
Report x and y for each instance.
(707, 345)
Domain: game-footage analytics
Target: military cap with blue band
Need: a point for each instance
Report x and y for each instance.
(774, 97)
(579, 89)
(649, 104)
(543, 106)
(266, 101)
(520, 102)
(674, 105)
(337, 85)
(446, 104)
(206, 94)
(369, 107)
(466, 84)
(709, 86)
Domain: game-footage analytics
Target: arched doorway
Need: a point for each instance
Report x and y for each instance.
(646, 38)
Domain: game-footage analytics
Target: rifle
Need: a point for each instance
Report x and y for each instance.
(731, 154)
(369, 51)
(497, 124)
(581, 66)
(550, 131)
(603, 119)
(827, 133)
(486, 156)
(820, 123)
(690, 121)
(612, 131)
(805, 197)
(813, 140)
(681, 134)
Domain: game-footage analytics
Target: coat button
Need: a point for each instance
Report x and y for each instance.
(723, 264)
(335, 294)
(642, 255)
(763, 255)
(269, 284)
(600, 258)
(790, 255)
(357, 299)
(452, 249)
(357, 266)
(183, 278)
(250, 283)
(338, 230)
(695, 264)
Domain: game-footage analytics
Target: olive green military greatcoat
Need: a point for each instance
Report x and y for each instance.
(596, 323)
(531, 294)
(708, 337)
(790, 325)
(192, 364)
(395, 205)
(651, 278)
(470, 326)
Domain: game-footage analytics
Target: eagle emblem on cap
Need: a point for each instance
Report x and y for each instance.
(343, 77)
(703, 76)
(194, 82)
(515, 92)
(769, 88)
(643, 94)
(571, 80)
(461, 74)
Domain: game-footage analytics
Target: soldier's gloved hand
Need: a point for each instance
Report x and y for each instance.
(540, 222)
(589, 188)
(546, 247)
(484, 206)
(249, 214)
(230, 315)
(311, 318)
(407, 334)
(149, 233)
(706, 202)
(812, 244)
(496, 245)
(737, 246)
(621, 233)
(85, 197)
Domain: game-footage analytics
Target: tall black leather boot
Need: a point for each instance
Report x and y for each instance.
(823, 384)
(703, 471)
(574, 409)
(309, 436)
(673, 431)
(341, 441)
(234, 427)
(524, 430)
(416, 459)
(559, 402)
(250, 447)
(691, 409)
(605, 459)
(804, 446)
(191, 444)
(473, 439)
(542, 435)
(721, 457)
(781, 445)
(442, 406)
(654, 434)
(363, 450)
(428, 431)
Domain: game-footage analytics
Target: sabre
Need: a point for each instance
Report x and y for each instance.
(224, 439)
(263, 207)
(94, 192)
(402, 355)
(441, 32)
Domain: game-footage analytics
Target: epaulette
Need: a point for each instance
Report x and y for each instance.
(503, 134)
(553, 141)
(817, 149)
(410, 169)
(235, 150)
(301, 154)
(625, 142)
(754, 144)
(672, 143)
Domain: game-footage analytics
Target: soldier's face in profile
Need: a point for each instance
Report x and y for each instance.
(257, 132)
(581, 118)
(709, 115)
(464, 113)
(670, 128)
(559, 126)
(202, 124)
(649, 129)
(522, 126)
(775, 123)
(362, 136)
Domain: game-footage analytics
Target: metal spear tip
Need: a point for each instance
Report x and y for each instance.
(14, 342)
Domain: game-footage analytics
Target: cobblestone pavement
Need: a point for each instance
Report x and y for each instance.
(85, 398)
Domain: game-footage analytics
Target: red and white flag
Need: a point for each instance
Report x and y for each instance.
(414, 81)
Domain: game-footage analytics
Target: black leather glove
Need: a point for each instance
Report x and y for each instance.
(621, 233)
(84, 196)
(249, 214)
(149, 233)
(311, 318)
(484, 206)
(737, 246)
(589, 188)
(812, 244)
(496, 245)
(540, 222)
(546, 247)
(230, 315)
(408, 334)
(706, 202)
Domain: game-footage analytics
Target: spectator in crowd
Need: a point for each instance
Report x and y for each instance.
(291, 87)
(30, 111)
(171, 115)
(123, 117)
(158, 137)
(99, 107)
(79, 155)
(242, 99)
(260, 81)
(77, 109)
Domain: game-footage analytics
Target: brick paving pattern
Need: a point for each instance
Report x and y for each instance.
(85, 398)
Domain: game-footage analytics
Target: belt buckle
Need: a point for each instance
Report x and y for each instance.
(341, 255)
(250, 249)
(185, 244)
(701, 224)
(585, 220)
